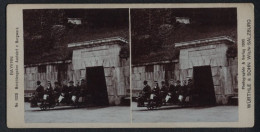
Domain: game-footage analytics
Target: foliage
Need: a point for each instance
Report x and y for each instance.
(154, 31)
(47, 32)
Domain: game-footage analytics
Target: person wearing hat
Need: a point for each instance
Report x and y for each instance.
(146, 89)
(76, 92)
(156, 88)
(65, 91)
(145, 94)
(71, 88)
(164, 91)
(39, 90)
(172, 90)
(38, 95)
(57, 91)
(49, 91)
(179, 91)
(178, 86)
(156, 92)
(57, 88)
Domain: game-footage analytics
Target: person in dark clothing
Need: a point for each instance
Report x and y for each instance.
(57, 92)
(65, 88)
(76, 90)
(145, 94)
(71, 88)
(49, 89)
(49, 92)
(146, 89)
(65, 92)
(156, 89)
(75, 93)
(179, 91)
(173, 91)
(164, 91)
(39, 91)
(57, 88)
(178, 86)
(184, 90)
(171, 87)
(38, 95)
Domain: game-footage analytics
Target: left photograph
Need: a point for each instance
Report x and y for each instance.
(76, 65)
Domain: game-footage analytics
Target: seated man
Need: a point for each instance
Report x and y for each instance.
(65, 92)
(71, 88)
(38, 95)
(39, 90)
(164, 91)
(145, 94)
(49, 92)
(156, 91)
(173, 91)
(57, 92)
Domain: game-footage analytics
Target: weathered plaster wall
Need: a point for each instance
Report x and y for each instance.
(139, 75)
(32, 75)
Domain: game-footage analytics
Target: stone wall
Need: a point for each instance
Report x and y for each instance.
(224, 70)
(117, 70)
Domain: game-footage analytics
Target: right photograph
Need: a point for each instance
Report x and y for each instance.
(184, 65)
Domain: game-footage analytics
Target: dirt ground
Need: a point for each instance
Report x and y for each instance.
(121, 114)
(189, 114)
(67, 114)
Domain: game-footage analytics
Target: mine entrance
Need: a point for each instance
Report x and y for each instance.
(203, 84)
(96, 85)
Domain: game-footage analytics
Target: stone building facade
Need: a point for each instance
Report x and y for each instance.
(104, 53)
(101, 53)
(209, 52)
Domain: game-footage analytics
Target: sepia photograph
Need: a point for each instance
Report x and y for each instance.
(76, 65)
(130, 65)
(184, 65)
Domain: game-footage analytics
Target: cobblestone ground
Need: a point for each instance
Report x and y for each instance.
(191, 114)
(68, 114)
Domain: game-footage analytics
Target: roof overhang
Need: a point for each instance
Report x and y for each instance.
(207, 41)
(99, 42)
(156, 63)
(48, 63)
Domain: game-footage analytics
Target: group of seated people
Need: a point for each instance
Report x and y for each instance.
(64, 90)
(176, 92)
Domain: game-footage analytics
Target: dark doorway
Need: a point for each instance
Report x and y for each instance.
(96, 85)
(204, 86)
